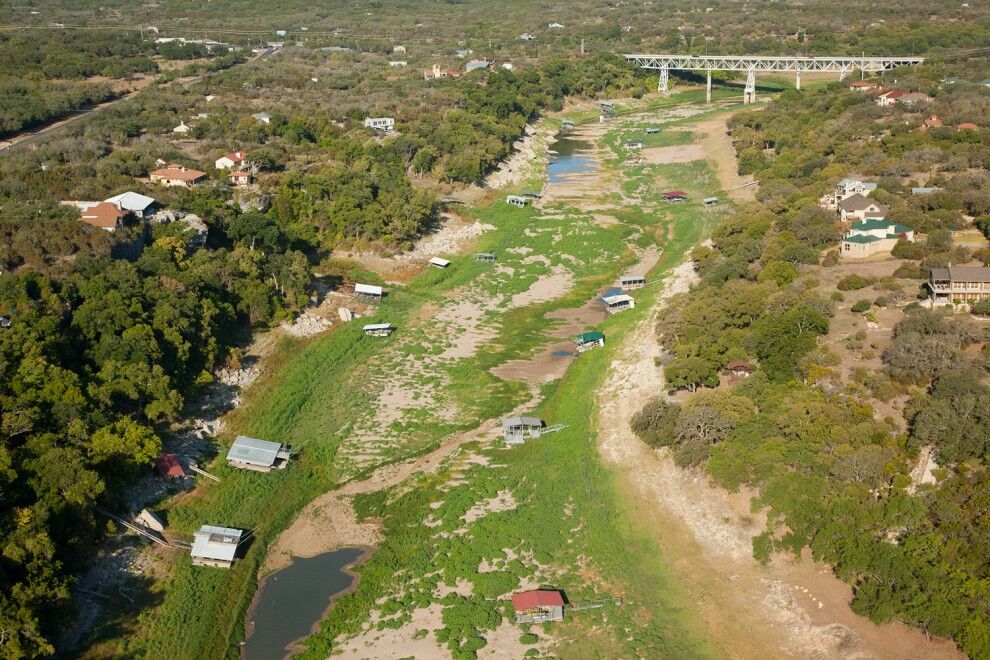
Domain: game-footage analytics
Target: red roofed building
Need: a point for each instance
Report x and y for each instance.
(231, 160)
(240, 178)
(176, 175)
(890, 98)
(168, 466)
(104, 215)
(931, 122)
(538, 606)
(967, 126)
(675, 195)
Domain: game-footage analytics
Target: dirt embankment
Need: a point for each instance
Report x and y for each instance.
(796, 609)
(717, 144)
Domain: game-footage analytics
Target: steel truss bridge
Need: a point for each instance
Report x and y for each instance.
(751, 64)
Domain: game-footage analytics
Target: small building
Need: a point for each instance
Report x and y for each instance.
(526, 36)
(439, 263)
(258, 455)
(168, 466)
(674, 196)
(476, 65)
(967, 126)
(379, 329)
(215, 546)
(398, 63)
(862, 86)
(177, 175)
(484, 256)
(515, 430)
(912, 98)
(860, 207)
(182, 129)
(532, 194)
(634, 144)
(399, 49)
(849, 187)
(555, 26)
(104, 215)
(873, 237)
(5, 322)
(240, 178)
(739, 368)
(138, 205)
(517, 200)
(959, 284)
(653, 130)
(234, 159)
(709, 202)
(538, 606)
(588, 340)
(263, 117)
(931, 122)
(149, 520)
(890, 98)
(385, 124)
(369, 291)
(921, 190)
(618, 303)
(607, 106)
(632, 281)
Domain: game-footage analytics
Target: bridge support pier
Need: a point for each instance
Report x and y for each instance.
(749, 96)
(708, 88)
(797, 79)
(843, 72)
(664, 80)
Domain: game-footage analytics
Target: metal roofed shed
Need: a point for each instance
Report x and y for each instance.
(618, 303)
(588, 340)
(632, 281)
(369, 291)
(439, 262)
(484, 256)
(259, 455)
(538, 605)
(517, 429)
(517, 200)
(215, 546)
(710, 201)
(653, 130)
(379, 329)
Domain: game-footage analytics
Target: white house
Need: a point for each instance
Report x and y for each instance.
(873, 237)
(385, 124)
(860, 207)
(181, 128)
(399, 49)
(230, 161)
(263, 117)
(141, 206)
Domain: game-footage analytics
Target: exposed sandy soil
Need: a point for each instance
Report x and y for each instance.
(788, 609)
(717, 145)
(549, 287)
(684, 153)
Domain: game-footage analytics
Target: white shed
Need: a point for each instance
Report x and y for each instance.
(439, 263)
(632, 281)
(379, 329)
(215, 546)
(369, 290)
(618, 303)
(258, 455)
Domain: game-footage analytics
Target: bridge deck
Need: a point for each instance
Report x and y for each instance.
(841, 64)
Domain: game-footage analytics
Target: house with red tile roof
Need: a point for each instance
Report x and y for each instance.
(177, 175)
(103, 215)
(538, 605)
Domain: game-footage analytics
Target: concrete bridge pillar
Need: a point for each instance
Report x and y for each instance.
(843, 72)
(664, 80)
(749, 96)
(708, 88)
(797, 79)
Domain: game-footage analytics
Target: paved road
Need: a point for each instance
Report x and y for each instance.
(27, 139)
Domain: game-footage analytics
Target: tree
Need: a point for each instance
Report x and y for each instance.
(125, 440)
(690, 372)
(655, 422)
(781, 272)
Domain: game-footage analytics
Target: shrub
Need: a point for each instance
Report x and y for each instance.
(853, 283)
(830, 259)
(781, 272)
(905, 249)
(981, 308)
(655, 422)
(881, 301)
(528, 638)
(861, 306)
(909, 270)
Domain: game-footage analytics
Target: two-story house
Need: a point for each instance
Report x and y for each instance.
(959, 284)
(860, 207)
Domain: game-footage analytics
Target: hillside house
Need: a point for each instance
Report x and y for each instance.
(912, 98)
(538, 606)
(931, 122)
(632, 281)
(860, 207)
(258, 455)
(103, 215)
(168, 466)
(240, 178)
(958, 284)
(384, 124)
(849, 187)
(618, 303)
(369, 291)
(379, 329)
(873, 237)
(967, 126)
(589, 340)
(229, 161)
(515, 430)
(862, 86)
(136, 204)
(176, 175)
(475, 65)
(890, 98)
(215, 546)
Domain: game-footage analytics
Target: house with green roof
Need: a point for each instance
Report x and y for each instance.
(873, 236)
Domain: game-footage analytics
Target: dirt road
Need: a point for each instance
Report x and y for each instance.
(788, 609)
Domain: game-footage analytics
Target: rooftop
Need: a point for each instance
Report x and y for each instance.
(212, 542)
(253, 451)
(527, 600)
(104, 215)
(521, 421)
(131, 201)
(962, 274)
(857, 202)
(177, 173)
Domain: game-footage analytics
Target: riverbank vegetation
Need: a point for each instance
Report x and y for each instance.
(868, 446)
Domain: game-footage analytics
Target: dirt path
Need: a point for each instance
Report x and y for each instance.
(787, 609)
(717, 144)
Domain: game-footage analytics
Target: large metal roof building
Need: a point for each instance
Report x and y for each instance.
(254, 454)
(215, 546)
